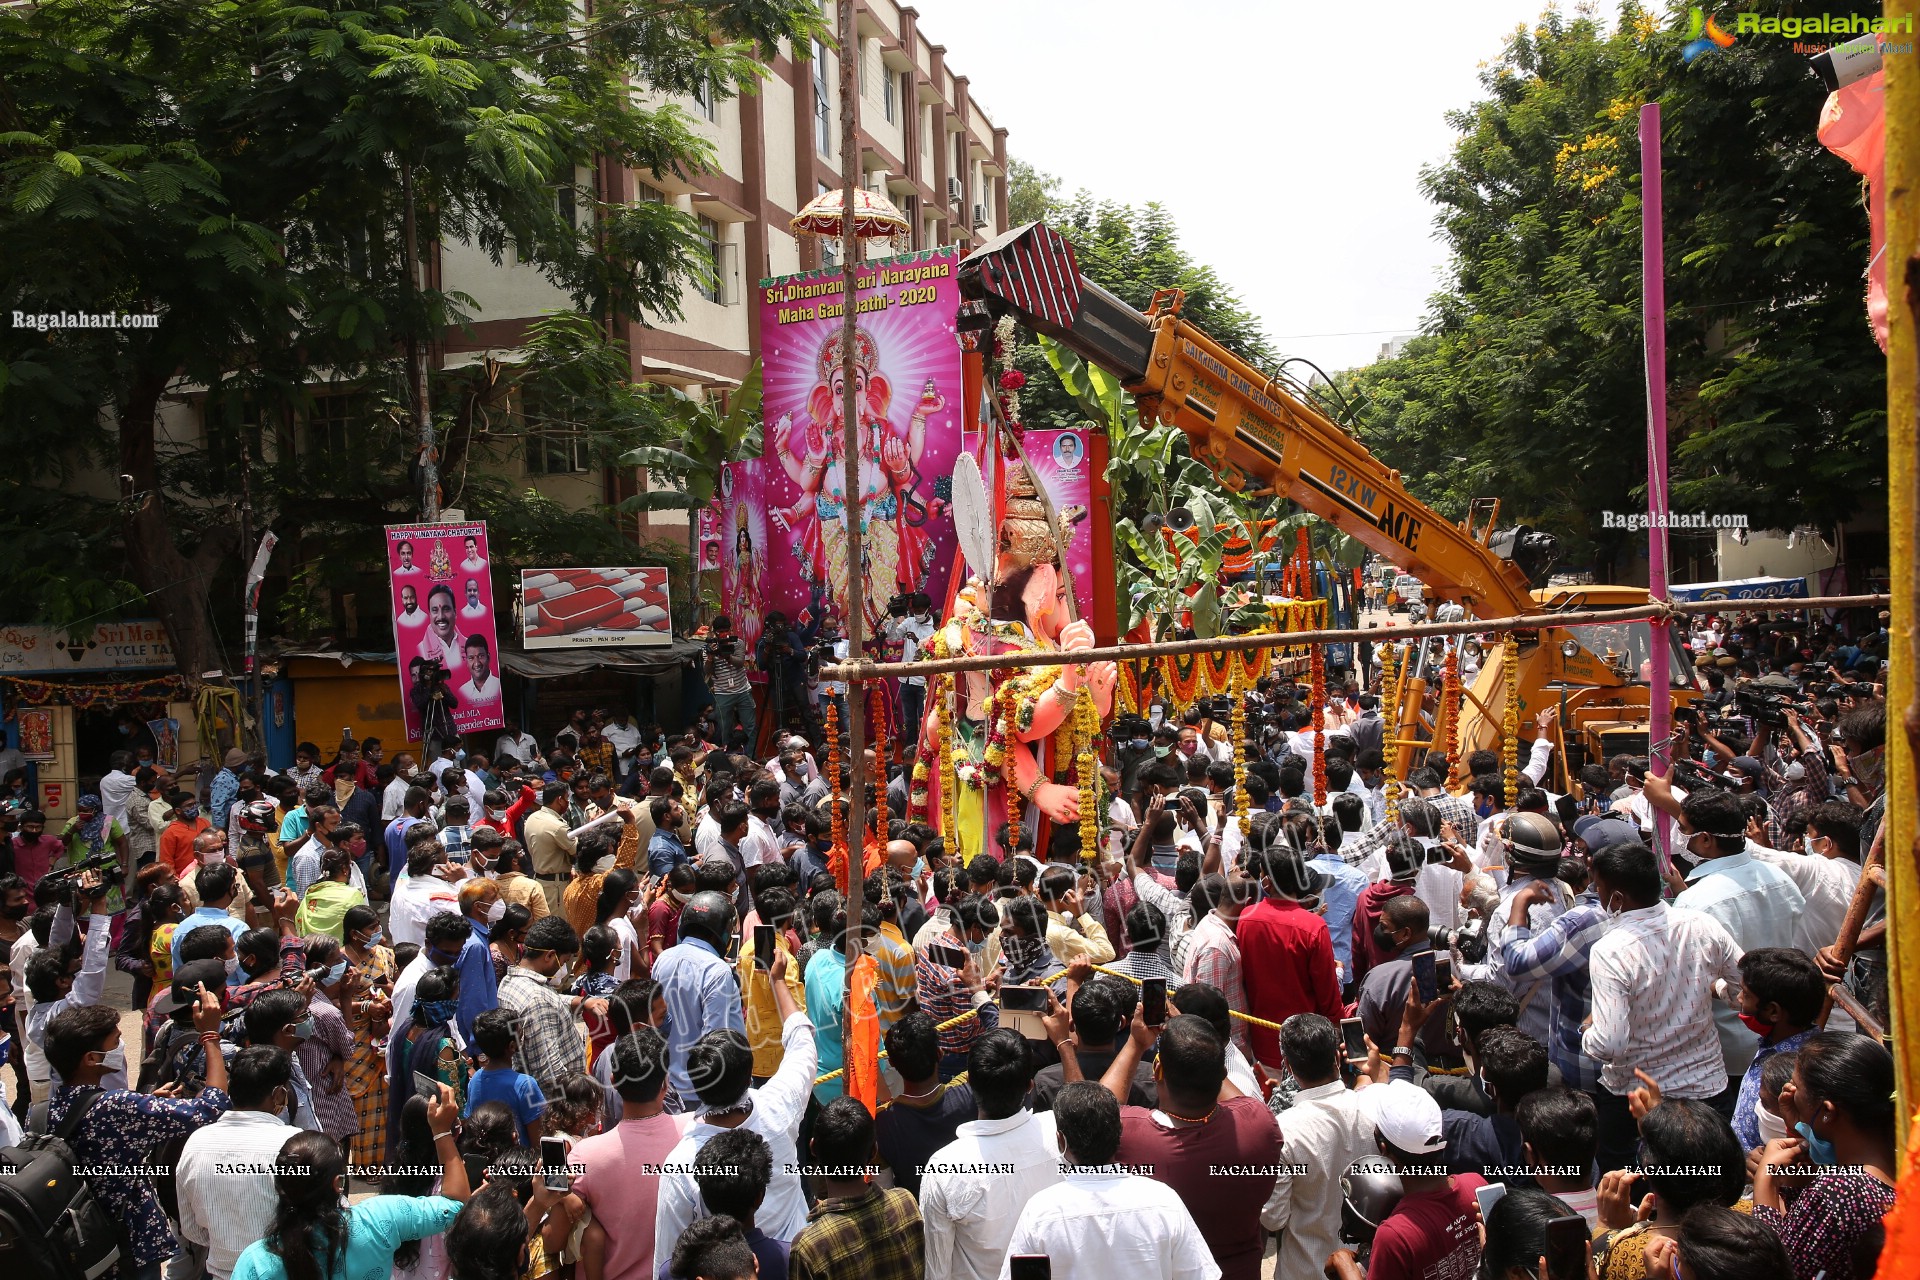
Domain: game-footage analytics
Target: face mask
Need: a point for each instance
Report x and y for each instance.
(1772, 1127)
(1756, 1025)
(1819, 1150)
(334, 974)
(1613, 910)
(285, 1116)
(189, 811)
(20, 912)
(975, 947)
(1382, 940)
(303, 1029)
(373, 939)
(497, 911)
(114, 1060)
(559, 979)
(430, 1013)
(1794, 772)
(1021, 953)
(1162, 751)
(679, 898)
(1806, 842)
(233, 965)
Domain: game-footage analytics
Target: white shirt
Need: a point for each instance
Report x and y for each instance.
(1326, 1131)
(706, 841)
(226, 1209)
(116, 789)
(24, 949)
(416, 900)
(974, 1188)
(523, 747)
(778, 1107)
(1758, 905)
(1827, 885)
(625, 739)
(438, 766)
(1653, 975)
(414, 617)
(488, 690)
(1100, 1225)
(403, 987)
(1536, 997)
(762, 845)
(392, 801)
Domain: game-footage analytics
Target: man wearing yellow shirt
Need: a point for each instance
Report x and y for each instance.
(762, 1014)
(1071, 932)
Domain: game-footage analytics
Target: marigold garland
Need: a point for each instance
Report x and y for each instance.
(879, 718)
(833, 778)
(1510, 720)
(1319, 669)
(1086, 771)
(1240, 760)
(1451, 702)
(1390, 684)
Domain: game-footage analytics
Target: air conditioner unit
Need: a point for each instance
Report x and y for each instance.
(979, 215)
(955, 192)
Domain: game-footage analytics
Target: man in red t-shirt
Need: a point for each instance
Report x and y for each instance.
(1434, 1232)
(1286, 953)
(1216, 1147)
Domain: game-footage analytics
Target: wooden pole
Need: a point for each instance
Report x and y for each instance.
(858, 670)
(1653, 318)
(1902, 250)
(856, 597)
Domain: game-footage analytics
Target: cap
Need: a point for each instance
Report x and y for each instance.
(234, 757)
(1599, 833)
(797, 743)
(1406, 1116)
(1748, 765)
(186, 981)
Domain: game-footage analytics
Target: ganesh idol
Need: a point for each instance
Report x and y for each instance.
(896, 544)
(995, 750)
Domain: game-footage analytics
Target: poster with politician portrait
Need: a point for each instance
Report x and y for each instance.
(444, 628)
(1061, 465)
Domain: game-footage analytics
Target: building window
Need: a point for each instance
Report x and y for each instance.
(569, 206)
(890, 97)
(644, 194)
(720, 255)
(330, 425)
(707, 100)
(822, 104)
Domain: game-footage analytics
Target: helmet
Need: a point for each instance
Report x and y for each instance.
(257, 815)
(1532, 843)
(708, 916)
(1369, 1190)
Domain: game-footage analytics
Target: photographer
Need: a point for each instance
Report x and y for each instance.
(434, 700)
(726, 673)
(911, 628)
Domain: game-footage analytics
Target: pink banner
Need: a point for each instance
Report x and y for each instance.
(744, 552)
(1061, 464)
(443, 627)
(909, 393)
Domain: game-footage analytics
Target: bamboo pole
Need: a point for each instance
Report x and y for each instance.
(857, 670)
(1902, 250)
(856, 619)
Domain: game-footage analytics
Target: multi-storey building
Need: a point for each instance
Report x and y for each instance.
(924, 141)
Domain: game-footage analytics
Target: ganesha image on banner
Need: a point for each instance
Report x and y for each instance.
(897, 546)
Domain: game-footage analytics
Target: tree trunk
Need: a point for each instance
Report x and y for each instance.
(417, 363)
(177, 587)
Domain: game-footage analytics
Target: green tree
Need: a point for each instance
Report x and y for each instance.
(710, 435)
(263, 176)
(1528, 383)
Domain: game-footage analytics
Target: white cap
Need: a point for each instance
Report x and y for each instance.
(796, 743)
(1406, 1116)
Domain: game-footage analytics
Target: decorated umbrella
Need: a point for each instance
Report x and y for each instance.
(874, 217)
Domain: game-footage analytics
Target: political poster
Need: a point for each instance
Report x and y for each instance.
(443, 628)
(908, 394)
(573, 608)
(1061, 465)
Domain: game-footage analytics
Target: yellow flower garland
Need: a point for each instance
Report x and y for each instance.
(1510, 720)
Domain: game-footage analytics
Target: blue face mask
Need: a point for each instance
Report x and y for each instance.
(1819, 1150)
(334, 974)
(431, 1013)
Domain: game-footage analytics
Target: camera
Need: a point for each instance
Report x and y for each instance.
(1768, 709)
(897, 605)
(1469, 939)
(99, 862)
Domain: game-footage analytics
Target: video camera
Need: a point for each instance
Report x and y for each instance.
(897, 605)
(1470, 939)
(98, 862)
(1695, 774)
(1767, 709)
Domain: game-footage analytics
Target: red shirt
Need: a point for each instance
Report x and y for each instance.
(1366, 914)
(1225, 1206)
(32, 859)
(1286, 962)
(517, 812)
(363, 776)
(1430, 1235)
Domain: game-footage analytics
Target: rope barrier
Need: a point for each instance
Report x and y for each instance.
(865, 669)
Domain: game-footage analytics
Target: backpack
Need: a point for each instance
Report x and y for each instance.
(49, 1218)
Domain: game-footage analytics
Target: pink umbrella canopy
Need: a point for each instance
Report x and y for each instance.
(874, 217)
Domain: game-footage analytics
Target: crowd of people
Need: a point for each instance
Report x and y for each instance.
(577, 1005)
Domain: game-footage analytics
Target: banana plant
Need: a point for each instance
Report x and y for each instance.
(710, 437)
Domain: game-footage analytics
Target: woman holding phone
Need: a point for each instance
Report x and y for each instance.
(316, 1236)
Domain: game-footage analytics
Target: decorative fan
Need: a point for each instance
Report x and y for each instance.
(973, 517)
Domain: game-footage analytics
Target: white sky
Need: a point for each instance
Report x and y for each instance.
(1286, 136)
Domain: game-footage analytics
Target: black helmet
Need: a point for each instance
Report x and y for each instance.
(708, 916)
(1532, 843)
(1369, 1190)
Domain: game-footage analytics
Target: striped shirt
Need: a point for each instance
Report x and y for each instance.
(1653, 975)
(1559, 954)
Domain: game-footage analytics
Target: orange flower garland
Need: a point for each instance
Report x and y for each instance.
(1319, 659)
